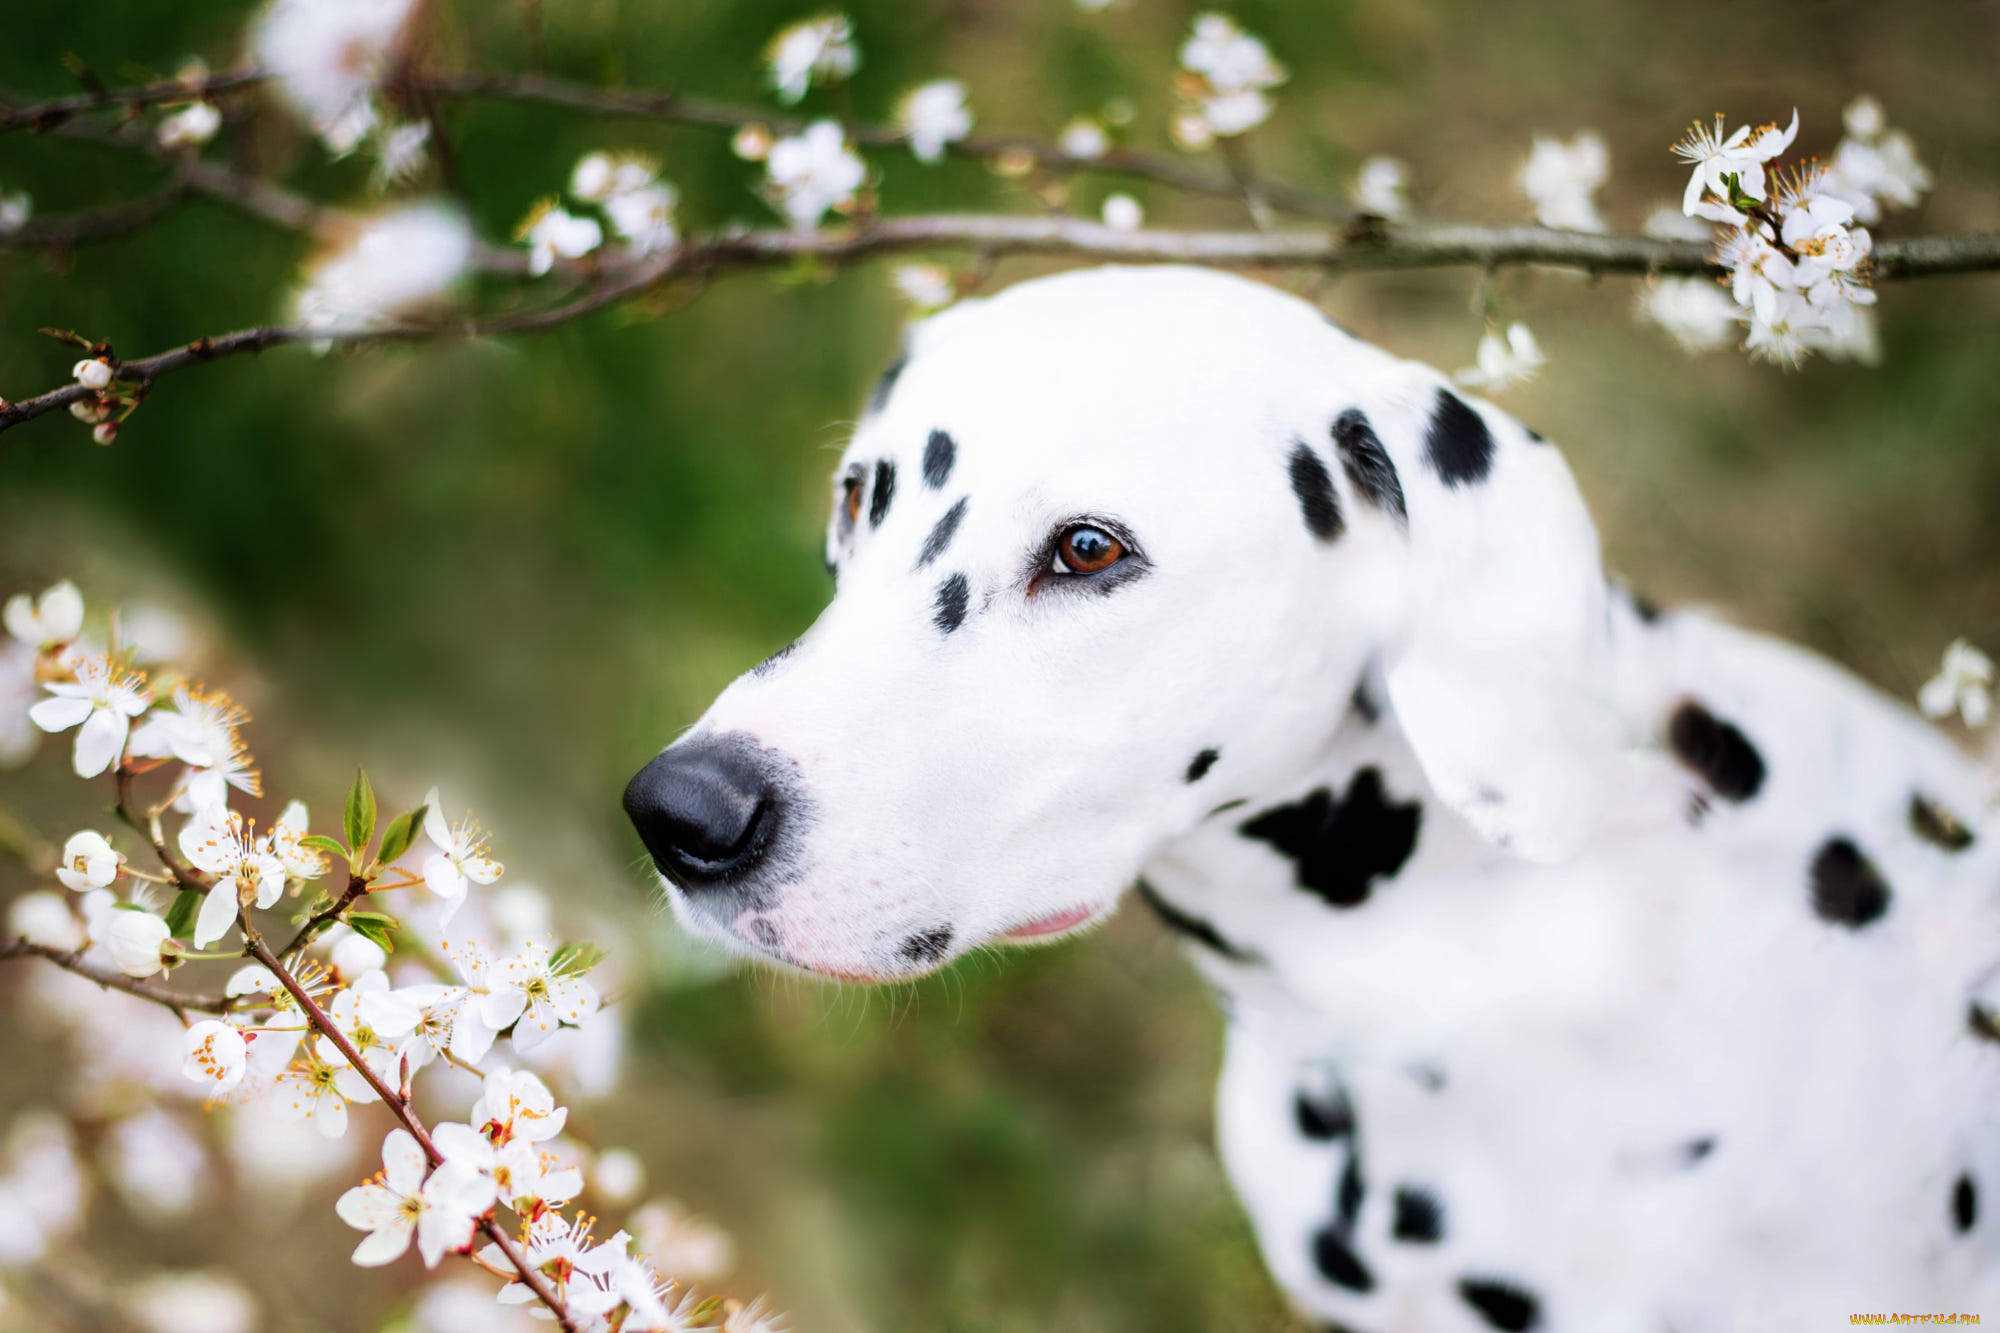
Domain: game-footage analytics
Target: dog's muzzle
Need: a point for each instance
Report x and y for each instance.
(707, 809)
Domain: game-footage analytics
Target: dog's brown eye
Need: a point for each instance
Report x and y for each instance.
(850, 501)
(1085, 549)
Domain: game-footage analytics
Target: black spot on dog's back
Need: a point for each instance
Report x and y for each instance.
(1696, 1151)
(1722, 755)
(927, 946)
(1937, 825)
(885, 491)
(1339, 848)
(1350, 1192)
(952, 594)
(1198, 769)
(1338, 1263)
(1501, 1304)
(941, 535)
(940, 452)
(1964, 1204)
(1419, 1218)
(1367, 464)
(1364, 703)
(1323, 1119)
(886, 385)
(1193, 927)
(1457, 443)
(1313, 484)
(765, 667)
(1847, 889)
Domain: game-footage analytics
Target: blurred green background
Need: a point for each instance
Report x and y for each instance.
(522, 567)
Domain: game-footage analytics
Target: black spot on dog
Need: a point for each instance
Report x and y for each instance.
(941, 535)
(1341, 847)
(1338, 1263)
(764, 932)
(1985, 1024)
(765, 667)
(1457, 443)
(1227, 806)
(1313, 484)
(1324, 1119)
(1198, 769)
(1847, 889)
(1428, 1077)
(1643, 607)
(1350, 1192)
(1367, 464)
(1964, 1204)
(927, 946)
(951, 597)
(1935, 824)
(832, 570)
(1695, 1151)
(885, 491)
(1535, 435)
(1715, 749)
(1419, 1217)
(1194, 927)
(940, 452)
(1364, 703)
(1501, 1304)
(886, 385)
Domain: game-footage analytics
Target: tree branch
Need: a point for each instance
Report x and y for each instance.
(49, 115)
(110, 222)
(1375, 247)
(71, 960)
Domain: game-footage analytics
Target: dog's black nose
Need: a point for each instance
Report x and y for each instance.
(704, 809)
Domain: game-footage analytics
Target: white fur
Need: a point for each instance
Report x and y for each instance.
(1570, 980)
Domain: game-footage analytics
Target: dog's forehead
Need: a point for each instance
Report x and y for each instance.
(1069, 375)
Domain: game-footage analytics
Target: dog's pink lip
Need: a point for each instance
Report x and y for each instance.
(1052, 925)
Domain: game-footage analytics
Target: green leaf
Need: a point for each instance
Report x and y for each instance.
(577, 959)
(360, 812)
(319, 842)
(402, 831)
(180, 917)
(378, 927)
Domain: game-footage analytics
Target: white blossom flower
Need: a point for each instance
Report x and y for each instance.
(1560, 178)
(644, 217)
(752, 143)
(44, 918)
(461, 857)
(135, 939)
(93, 373)
(1696, 313)
(373, 1019)
(88, 862)
(353, 955)
(190, 127)
(1782, 330)
(1719, 156)
(1084, 138)
(682, 1243)
(814, 171)
(1963, 685)
(1875, 165)
(401, 152)
(925, 286)
(307, 1091)
(819, 48)
(555, 233)
(392, 263)
(202, 731)
(516, 1105)
(15, 210)
(934, 114)
(617, 1175)
(578, 1271)
(328, 56)
(100, 703)
(217, 1055)
(525, 1177)
(1380, 186)
(1123, 213)
(191, 1302)
(158, 1167)
(1504, 361)
(1229, 75)
(217, 841)
(19, 736)
(439, 1209)
(1816, 231)
(1759, 272)
(286, 842)
(536, 1000)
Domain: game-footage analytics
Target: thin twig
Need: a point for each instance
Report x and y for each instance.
(71, 960)
(111, 222)
(310, 931)
(60, 110)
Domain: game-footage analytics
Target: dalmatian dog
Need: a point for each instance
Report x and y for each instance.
(1586, 966)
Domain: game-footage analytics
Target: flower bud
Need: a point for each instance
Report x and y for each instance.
(105, 432)
(88, 862)
(136, 940)
(44, 918)
(93, 374)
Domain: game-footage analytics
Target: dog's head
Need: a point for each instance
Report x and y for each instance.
(1113, 549)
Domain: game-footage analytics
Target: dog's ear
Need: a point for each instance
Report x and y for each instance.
(1501, 678)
